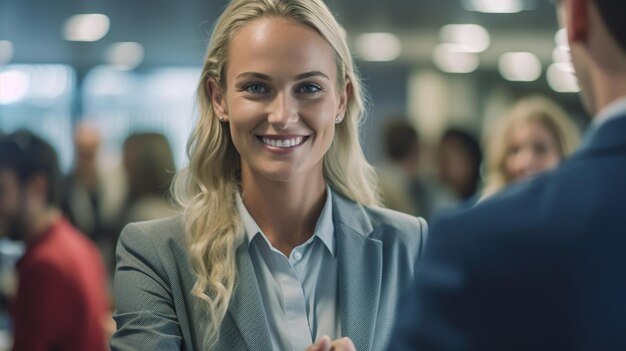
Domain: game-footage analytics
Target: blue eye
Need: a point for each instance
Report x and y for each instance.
(309, 88)
(255, 88)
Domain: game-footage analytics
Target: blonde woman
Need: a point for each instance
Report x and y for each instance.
(535, 136)
(281, 245)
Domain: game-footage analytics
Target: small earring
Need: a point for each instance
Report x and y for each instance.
(221, 118)
(338, 118)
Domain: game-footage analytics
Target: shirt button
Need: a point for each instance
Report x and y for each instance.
(297, 256)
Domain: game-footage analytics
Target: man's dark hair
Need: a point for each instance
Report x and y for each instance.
(612, 12)
(400, 139)
(28, 155)
(469, 143)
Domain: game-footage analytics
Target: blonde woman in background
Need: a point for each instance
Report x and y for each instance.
(535, 136)
(281, 245)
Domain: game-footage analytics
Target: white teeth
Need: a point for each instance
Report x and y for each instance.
(286, 143)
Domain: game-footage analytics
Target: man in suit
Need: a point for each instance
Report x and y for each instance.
(541, 266)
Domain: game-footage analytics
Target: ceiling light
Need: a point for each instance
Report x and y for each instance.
(125, 55)
(87, 27)
(520, 66)
(560, 55)
(378, 47)
(453, 59)
(494, 6)
(560, 80)
(468, 37)
(6, 52)
(560, 39)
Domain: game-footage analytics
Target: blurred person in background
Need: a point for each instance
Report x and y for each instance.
(459, 159)
(540, 266)
(281, 242)
(61, 301)
(150, 168)
(93, 197)
(402, 186)
(82, 200)
(535, 136)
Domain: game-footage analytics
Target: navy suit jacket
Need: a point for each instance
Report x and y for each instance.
(541, 266)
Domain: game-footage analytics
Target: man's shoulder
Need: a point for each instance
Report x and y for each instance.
(562, 202)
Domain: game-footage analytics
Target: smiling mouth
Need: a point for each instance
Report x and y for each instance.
(282, 142)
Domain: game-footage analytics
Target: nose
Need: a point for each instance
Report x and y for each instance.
(283, 110)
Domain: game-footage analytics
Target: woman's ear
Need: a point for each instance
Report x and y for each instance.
(344, 98)
(218, 99)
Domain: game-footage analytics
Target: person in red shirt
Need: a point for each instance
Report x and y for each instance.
(61, 301)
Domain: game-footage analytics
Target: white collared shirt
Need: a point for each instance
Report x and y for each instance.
(614, 110)
(299, 292)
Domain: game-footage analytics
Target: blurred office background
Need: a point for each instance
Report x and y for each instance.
(131, 66)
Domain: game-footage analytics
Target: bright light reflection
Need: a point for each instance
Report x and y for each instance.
(561, 80)
(468, 37)
(494, 6)
(560, 39)
(172, 84)
(125, 55)
(86, 27)
(48, 81)
(453, 59)
(13, 86)
(520, 66)
(378, 47)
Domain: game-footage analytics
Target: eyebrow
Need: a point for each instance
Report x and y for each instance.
(311, 74)
(268, 78)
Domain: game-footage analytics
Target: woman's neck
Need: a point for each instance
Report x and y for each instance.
(286, 211)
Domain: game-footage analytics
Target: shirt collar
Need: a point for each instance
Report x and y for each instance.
(613, 110)
(324, 229)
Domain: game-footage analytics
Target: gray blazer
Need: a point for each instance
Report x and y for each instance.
(376, 250)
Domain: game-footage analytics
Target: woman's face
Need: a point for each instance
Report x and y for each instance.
(531, 149)
(281, 98)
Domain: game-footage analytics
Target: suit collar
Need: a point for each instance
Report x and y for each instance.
(613, 110)
(323, 229)
(351, 214)
(607, 136)
(359, 273)
(359, 282)
(246, 305)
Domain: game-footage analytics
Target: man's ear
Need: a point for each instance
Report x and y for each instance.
(218, 99)
(577, 21)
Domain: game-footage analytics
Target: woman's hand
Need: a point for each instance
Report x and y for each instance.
(325, 344)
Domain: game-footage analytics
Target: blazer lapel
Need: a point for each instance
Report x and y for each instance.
(359, 274)
(246, 305)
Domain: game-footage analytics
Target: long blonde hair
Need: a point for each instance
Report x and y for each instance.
(531, 109)
(207, 188)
